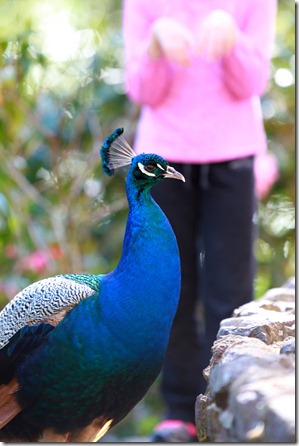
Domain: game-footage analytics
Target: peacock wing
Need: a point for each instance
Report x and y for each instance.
(46, 301)
(19, 346)
(27, 320)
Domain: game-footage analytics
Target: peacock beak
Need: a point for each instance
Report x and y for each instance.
(172, 173)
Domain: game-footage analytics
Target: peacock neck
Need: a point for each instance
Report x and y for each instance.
(150, 253)
(148, 233)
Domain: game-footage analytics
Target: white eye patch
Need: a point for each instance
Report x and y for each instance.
(149, 174)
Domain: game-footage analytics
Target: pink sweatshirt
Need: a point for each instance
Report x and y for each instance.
(210, 111)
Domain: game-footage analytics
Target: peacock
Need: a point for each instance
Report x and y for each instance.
(79, 351)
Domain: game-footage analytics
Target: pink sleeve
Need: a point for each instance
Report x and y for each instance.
(246, 68)
(147, 80)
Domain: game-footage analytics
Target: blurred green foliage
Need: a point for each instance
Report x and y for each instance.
(275, 247)
(61, 93)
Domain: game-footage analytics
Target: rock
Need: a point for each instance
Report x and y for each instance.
(234, 346)
(266, 325)
(201, 413)
(264, 400)
(276, 299)
(288, 346)
(251, 376)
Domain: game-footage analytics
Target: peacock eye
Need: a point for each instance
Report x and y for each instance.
(150, 167)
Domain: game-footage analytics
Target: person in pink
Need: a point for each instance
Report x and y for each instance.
(197, 69)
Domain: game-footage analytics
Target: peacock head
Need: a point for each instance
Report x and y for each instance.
(147, 169)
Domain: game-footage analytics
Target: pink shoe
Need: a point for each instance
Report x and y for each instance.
(174, 431)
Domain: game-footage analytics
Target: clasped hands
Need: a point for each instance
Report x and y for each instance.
(215, 38)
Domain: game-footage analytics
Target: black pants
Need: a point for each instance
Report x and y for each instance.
(212, 217)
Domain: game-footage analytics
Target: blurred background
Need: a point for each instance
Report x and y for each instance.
(61, 94)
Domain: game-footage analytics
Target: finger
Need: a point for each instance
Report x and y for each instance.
(221, 45)
(214, 47)
(180, 55)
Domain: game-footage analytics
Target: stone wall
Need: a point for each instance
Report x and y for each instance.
(251, 377)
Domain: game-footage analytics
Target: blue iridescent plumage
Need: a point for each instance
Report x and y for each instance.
(78, 351)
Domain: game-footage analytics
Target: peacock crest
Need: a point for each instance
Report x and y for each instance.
(116, 152)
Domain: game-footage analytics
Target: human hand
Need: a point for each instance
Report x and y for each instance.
(266, 173)
(217, 35)
(172, 39)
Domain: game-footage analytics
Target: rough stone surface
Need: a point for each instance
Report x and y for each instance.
(251, 376)
(267, 325)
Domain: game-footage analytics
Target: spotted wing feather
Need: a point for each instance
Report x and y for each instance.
(47, 300)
